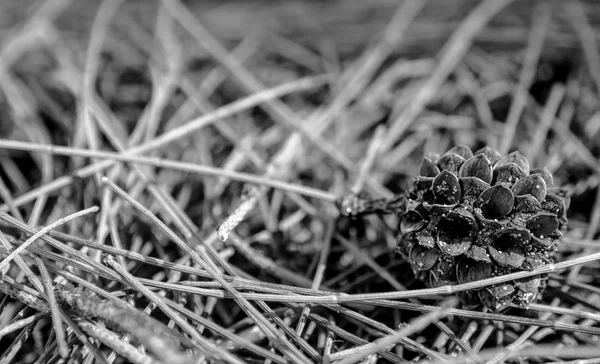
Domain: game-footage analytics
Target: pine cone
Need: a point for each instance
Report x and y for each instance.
(471, 216)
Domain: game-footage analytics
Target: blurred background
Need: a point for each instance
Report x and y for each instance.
(45, 47)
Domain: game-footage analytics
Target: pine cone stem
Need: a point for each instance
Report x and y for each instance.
(358, 205)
